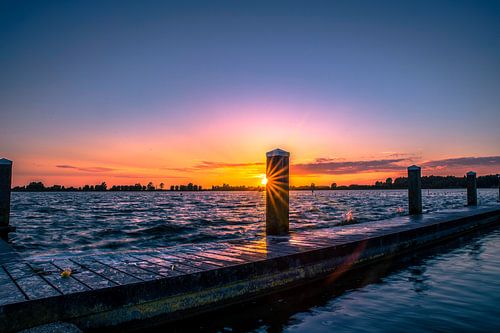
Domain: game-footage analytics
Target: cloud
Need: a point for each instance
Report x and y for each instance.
(85, 169)
(333, 166)
(461, 162)
(219, 165)
(208, 165)
(330, 166)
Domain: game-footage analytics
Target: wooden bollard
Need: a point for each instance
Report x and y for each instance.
(414, 190)
(471, 189)
(5, 185)
(498, 177)
(277, 192)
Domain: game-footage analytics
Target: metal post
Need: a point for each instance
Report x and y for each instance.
(414, 190)
(277, 188)
(471, 189)
(5, 185)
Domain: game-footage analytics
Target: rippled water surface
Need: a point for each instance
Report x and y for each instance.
(52, 223)
(457, 291)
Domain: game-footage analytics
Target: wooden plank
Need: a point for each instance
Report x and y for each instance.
(83, 275)
(124, 264)
(236, 253)
(149, 266)
(32, 284)
(173, 263)
(106, 271)
(273, 249)
(199, 262)
(9, 291)
(52, 274)
(180, 257)
(260, 250)
(304, 243)
(205, 254)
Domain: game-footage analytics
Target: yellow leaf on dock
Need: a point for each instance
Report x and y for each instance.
(66, 273)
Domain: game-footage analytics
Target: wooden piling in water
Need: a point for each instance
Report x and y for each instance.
(5, 186)
(277, 192)
(471, 189)
(498, 176)
(414, 190)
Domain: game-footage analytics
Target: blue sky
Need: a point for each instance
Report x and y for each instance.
(82, 78)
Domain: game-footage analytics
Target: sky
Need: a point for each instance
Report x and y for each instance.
(199, 91)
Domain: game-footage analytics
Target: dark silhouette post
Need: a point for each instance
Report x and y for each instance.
(414, 190)
(498, 177)
(5, 185)
(471, 189)
(277, 196)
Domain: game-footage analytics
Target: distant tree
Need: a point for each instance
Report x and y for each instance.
(35, 186)
(162, 185)
(177, 187)
(199, 187)
(150, 187)
(190, 187)
(388, 181)
(172, 188)
(334, 186)
(101, 187)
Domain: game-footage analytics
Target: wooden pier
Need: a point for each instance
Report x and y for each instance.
(120, 290)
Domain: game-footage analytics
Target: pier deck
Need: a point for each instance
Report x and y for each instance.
(113, 289)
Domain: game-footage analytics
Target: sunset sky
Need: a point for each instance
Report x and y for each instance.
(188, 91)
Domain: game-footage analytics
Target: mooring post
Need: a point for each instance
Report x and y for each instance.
(5, 184)
(277, 188)
(498, 177)
(414, 190)
(471, 189)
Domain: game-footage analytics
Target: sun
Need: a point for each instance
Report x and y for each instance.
(263, 180)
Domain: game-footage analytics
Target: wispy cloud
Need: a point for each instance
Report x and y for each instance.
(460, 162)
(85, 169)
(219, 165)
(329, 166)
(210, 165)
(339, 166)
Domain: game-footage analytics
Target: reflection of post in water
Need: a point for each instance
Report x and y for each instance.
(277, 192)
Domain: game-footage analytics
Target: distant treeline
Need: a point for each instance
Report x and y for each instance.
(227, 187)
(428, 182)
(40, 187)
(188, 187)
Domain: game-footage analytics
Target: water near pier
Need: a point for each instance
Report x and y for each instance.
(450, 288)
(62, 223)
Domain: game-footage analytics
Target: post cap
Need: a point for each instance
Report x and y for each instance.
(471, 173)
(413, 168)
(5, 161)
(277, 152)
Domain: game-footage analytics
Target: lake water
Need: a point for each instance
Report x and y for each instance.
(53, 223)
(451, 288)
